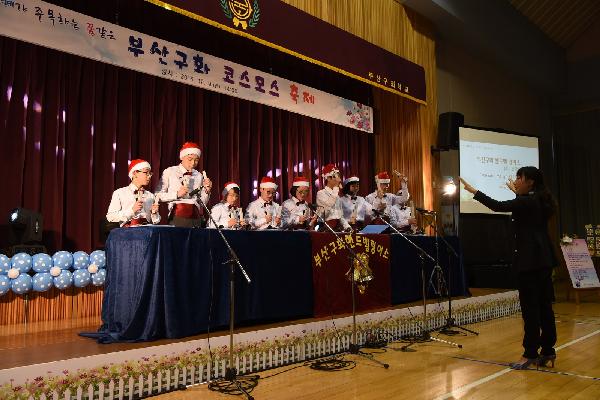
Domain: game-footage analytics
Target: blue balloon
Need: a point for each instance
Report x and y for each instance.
(21, 262)
(64, 280)
(81, 260)
(4, 284)
(99, 277)
(4, 264)
(42, 282)
(98, 257)
(42, 262)
(21, 284)
(62, 259)
(81, 278)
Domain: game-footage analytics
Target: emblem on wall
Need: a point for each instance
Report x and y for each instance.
(241, 12)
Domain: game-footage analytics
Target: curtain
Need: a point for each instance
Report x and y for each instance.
(577, 142)
(69, 126)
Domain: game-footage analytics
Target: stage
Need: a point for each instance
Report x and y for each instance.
(54, 351)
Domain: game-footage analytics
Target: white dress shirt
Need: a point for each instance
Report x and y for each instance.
(257, 211)
(171, 181)
(330, 207)
(222, 213)
(357, 206)
(121, 206)
(399, 216)
(389, 199)
(291, 211)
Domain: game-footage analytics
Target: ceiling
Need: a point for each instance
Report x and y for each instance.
(563, 21)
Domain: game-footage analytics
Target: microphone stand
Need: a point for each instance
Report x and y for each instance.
(450, 322)
(331, 364)
(425, 335)
(231, 383)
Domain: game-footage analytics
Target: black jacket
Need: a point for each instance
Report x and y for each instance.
(533, 248)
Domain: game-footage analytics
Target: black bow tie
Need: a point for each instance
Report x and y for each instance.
(232, 207)
(403, 208)
(268, 204)
(300, 202)
(384, 196)
(140, 190)
(187, 173)
(352, 197)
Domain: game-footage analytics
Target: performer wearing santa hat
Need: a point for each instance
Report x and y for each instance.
(328, 199)
(401, 217)
(133, 205)
(295, 213)
(381, 200)
(178, 182)
(228, 214)
(264, 213)
(356, 209)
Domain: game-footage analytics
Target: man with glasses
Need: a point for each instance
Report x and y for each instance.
(133, 205)
(295, 213)
(178, 182)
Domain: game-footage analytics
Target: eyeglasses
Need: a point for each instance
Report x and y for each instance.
(148, 173)
(302, 191)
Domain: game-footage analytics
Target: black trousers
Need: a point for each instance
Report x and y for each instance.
(536, 294)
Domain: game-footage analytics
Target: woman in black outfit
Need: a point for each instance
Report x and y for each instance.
(534, 260)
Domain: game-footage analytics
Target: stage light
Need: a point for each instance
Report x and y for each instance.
(25, 226)
(449, 187)
(14, 215)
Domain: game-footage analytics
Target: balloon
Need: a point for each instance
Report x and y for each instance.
(62, 259)
(42, 282)
(99, 277)
(4, 284)
(64, 280)
(22, 284)
(98, 257)
(4, 264)
(21, 261)
(81, 260)
(42, 262)
(81, 278)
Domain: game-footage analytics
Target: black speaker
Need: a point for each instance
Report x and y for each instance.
(448, 129)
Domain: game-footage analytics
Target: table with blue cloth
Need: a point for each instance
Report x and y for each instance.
(168, 282)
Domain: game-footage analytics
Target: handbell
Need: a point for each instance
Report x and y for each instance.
(362, 272)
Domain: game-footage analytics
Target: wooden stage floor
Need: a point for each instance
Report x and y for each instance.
(434, 371)
(438, 371)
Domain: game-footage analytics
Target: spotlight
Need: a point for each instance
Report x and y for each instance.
(449, 187)
(25, 226)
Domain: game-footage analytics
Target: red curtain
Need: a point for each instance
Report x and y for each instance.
(69, 126)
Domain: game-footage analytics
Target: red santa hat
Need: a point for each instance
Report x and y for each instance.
(228, 186)
(189, 148)
(329, 170)
(268, 183)
(137, 165)
(300, 181)
(351, 179)
(382, 177)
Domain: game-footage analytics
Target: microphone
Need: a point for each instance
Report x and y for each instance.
(424, 211)
(194, 192)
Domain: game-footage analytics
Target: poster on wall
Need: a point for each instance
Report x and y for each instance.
(579, 264)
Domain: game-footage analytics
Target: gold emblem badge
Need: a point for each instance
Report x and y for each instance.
(241, 12)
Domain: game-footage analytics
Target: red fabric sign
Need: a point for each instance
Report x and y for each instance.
(331, 263)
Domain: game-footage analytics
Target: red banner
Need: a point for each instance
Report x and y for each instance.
(331, 264)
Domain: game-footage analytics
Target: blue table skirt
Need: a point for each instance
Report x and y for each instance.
(160, 279)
